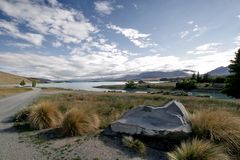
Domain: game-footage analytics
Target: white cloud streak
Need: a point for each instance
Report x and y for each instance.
(208, 48)
(10, 29)
(139, 39)
(194, 31)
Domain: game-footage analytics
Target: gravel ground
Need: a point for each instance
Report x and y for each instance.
(10, 148)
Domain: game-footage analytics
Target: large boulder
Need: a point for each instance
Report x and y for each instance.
(169, 120)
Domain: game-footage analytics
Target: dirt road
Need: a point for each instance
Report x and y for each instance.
(10, 148)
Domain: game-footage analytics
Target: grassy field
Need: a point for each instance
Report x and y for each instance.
(110, 106)
(7, 91)
(216, 123)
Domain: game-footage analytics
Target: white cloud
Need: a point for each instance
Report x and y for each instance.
(107, 64)
(19, 45)
(206, 49)
(10, 29)
(194, 31)
(69, 26)
(139, 39)
(190, 22)
(184, 34)
(103, 7)
(238, 16)
(56, 44)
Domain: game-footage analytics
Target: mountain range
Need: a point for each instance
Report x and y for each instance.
(7, 78)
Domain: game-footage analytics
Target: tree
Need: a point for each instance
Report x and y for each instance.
(34, 83)
(199, 78)
(193, 76)
(205, 78)
(186, 84)
(22, 83)
(130, 85)
(232, 87)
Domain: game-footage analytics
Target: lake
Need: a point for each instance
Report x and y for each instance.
(88, 86)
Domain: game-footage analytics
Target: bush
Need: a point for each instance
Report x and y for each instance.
(186, 84)
(198, 150)
(45, 115)
(130, 85)
(135, 144)
(77, 122)
(219, 126)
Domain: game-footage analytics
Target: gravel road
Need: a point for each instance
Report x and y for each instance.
(10, 148)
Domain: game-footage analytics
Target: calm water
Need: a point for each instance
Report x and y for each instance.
(89, 86)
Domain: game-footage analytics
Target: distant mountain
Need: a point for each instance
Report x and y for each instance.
(156, 75)
(220, 71)
(7, 78)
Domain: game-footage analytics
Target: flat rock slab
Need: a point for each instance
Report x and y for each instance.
(169, 120)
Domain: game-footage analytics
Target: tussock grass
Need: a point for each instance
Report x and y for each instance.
(79, 122)
(198, 150)
(22, 115)
(134, 144)
(220, 126)
(45, 115)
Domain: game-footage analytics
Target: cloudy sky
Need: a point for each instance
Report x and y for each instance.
(75, 39)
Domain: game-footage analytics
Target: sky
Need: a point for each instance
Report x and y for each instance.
(81, 39)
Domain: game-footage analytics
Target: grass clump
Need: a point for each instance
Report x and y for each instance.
(218, 125)
(135, 144)
(45, 115)
(198, 150)
(22, 115)
(79, 122)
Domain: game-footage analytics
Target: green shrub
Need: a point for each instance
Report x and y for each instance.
(186, 84)
(130, 85)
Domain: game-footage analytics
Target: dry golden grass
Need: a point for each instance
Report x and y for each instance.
(218, 125)
(198, 150)
(45, 115)
(7, 78)
(79, 122)
(7, 91)
(110, 106)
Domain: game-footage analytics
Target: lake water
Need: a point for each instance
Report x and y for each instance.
(89, 86)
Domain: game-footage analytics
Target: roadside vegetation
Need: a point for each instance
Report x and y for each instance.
(7, 91)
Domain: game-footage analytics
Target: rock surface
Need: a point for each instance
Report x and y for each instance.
(169, 120)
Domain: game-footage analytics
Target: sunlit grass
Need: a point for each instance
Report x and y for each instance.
(79, 122)
(220, 126)
(45, 115)
(198, 150)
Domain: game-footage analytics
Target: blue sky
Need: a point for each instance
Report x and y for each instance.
(68, 39)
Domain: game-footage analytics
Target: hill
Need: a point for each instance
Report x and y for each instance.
(7, 78)
(156, 75)
(220, 71)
